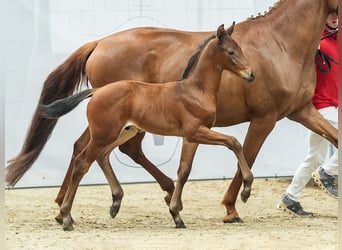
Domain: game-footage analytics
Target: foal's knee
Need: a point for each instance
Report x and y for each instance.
(234, 144)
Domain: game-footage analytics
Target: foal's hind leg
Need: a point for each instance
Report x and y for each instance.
(133, 149)
(117, 192)
(82, 164)
(79, 145)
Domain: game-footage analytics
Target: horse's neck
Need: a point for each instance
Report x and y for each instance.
(295, 25)
(207, 72)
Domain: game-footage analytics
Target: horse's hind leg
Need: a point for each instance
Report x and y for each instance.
(117, 192)
(187, 156)
(133, 149)
(79, 145)
(312, 119)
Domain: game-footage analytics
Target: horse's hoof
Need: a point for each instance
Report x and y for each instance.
(236, 219)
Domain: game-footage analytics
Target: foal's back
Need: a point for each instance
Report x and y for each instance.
(157, 108)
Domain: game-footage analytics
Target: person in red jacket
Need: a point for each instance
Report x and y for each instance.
(318, 163)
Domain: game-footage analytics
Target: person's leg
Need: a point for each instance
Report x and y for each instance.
(326, 175)
(318, 147)
(331, 114)
(331, 166)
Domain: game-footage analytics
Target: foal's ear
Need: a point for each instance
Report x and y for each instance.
(221, 33)
(231, 29)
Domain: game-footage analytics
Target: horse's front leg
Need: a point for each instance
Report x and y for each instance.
(133, 149)
(117, 191)
(257, 133)
(79, 145)
(187, 156)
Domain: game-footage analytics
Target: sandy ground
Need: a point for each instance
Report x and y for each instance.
(145, 223)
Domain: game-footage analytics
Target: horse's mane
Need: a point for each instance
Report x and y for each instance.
(270, 10)
(194, 58)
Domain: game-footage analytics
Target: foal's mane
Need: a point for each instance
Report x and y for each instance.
(194, 58)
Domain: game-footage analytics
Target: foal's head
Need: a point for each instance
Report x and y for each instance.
(232, 57)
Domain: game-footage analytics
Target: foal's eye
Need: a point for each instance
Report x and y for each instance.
(230, 52)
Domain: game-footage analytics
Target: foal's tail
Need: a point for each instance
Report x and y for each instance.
(62, 106)
(62, 82)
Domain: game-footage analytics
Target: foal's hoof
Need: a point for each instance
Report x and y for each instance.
(59, 219)
(245, 195)
(68, 228)
(67, 223)
(180, 225)
(167, 199)
(236, 219)
(113, 211)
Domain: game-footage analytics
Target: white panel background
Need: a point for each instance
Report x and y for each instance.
(41, 34)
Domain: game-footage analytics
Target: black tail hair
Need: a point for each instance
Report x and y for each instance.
(62, 106)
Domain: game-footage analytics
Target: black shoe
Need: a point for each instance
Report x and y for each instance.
(294, 207)
(326, 182)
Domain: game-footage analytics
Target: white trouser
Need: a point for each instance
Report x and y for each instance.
(317, 157)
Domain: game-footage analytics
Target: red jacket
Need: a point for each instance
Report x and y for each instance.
(326, 94)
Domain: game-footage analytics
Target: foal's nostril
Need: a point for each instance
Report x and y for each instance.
(251, 77)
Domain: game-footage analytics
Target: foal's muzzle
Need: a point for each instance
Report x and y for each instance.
(249, 76)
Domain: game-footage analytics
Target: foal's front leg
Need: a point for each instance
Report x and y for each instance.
(204, 135)
(187, 156)
(257, 132)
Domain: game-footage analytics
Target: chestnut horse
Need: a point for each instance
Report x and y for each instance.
(280, 46)
(186, 108)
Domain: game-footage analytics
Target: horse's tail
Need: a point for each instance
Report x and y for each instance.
(65, 105)
(62, 82)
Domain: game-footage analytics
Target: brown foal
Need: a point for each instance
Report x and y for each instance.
(187, 108)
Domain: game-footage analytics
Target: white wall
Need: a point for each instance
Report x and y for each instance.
(41, 34)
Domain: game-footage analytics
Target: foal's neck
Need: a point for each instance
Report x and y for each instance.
(208, 71)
